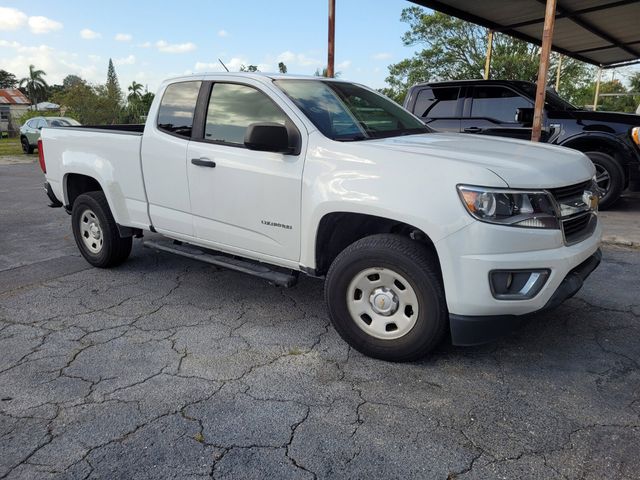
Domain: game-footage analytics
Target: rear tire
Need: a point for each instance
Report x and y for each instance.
(26, 147)
(609, 177)
(386, 299)
(96, 233)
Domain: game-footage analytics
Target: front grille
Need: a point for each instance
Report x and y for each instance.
(579, 227)
(570, 191)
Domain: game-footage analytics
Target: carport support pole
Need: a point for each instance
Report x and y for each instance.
(543, 70)
(487, 63)
(331, 40)
(558, 73)
(595, 98)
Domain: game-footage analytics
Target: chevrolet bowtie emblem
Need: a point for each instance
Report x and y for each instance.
(590, 199)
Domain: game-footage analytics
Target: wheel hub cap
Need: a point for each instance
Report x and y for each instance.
(384, 301)
(91, 231)
(94, 230)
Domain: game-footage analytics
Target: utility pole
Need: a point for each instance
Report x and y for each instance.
(487, 63)
(331, 42)
(543, 70)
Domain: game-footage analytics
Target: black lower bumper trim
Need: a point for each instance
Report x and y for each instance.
(467, 330)
(55, 203)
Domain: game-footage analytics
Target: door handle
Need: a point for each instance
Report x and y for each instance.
(203, 162)
(472, 130)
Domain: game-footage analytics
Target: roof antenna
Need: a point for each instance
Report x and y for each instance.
(225, 67)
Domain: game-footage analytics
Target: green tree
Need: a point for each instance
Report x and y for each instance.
(249, 68)
(282, 68)
(135, 90)
(323, 73)
(8, 80)
(620, 103)
(452, 49)
(34, 84)
(113, 94)
(634, 81)
(71, 81)
(90, 105)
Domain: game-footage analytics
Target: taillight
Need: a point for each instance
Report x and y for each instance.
(43, 166)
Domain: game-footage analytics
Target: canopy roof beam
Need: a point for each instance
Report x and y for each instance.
(572, 14)
(595, 30)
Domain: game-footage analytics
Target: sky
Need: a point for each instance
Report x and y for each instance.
(152, 40)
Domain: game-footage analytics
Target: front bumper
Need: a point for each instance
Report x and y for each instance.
(475, 330)
(468, 256)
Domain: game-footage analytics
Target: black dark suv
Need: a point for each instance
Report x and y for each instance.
(505, 108)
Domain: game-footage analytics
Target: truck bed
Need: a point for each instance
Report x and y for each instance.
(108, 153)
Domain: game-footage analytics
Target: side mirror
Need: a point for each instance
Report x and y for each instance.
(267, 137)
(524, 116)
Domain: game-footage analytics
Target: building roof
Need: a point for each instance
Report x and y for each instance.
(600, 32)
(13, 96)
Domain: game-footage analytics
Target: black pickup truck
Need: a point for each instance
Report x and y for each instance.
(505, 108)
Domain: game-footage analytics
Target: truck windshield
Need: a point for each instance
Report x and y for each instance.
(346, 112)
(552, 100)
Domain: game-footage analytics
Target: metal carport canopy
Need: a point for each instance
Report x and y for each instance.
(600, 32)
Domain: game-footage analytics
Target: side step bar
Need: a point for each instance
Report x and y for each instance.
(208, 256)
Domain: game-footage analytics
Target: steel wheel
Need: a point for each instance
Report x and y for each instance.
(25, 145)
(382, 303)
(91, 231)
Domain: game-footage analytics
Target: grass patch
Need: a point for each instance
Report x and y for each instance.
(11, 146)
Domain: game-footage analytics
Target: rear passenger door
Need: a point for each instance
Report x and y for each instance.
(439, 108)
(491, 110)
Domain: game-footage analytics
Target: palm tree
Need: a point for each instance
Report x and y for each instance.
(34, 83)
(135, 90)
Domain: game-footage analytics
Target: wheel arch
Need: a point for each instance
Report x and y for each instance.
(75, 184)
(603, 143)
(337, 230)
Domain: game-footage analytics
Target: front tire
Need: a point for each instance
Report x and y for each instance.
(609, 177)
(385, 298)
(96, 233)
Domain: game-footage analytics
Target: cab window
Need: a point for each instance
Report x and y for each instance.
(438, 102)
(175, 114)
(497, 103)
(233, 107)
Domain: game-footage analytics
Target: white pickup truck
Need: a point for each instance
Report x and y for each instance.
(414, 232)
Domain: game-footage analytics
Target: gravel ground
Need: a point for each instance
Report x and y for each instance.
(167, 368)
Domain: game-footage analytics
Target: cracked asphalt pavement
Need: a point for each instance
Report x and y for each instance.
(167, 368)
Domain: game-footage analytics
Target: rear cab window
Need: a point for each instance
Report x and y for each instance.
(437, 102)
(176, 111)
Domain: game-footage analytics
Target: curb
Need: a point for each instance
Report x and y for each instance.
(620, 241)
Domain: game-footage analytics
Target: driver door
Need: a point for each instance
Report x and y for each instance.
(244, 201)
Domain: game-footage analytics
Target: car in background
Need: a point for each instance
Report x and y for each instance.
(30, 131)
(505, 109)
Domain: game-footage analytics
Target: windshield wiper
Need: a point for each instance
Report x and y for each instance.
(353, 138)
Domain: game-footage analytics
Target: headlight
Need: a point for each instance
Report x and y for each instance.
(509, 207)
(635, 135)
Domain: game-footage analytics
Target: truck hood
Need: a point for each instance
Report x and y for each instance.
(521, 164)
(609, 117)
